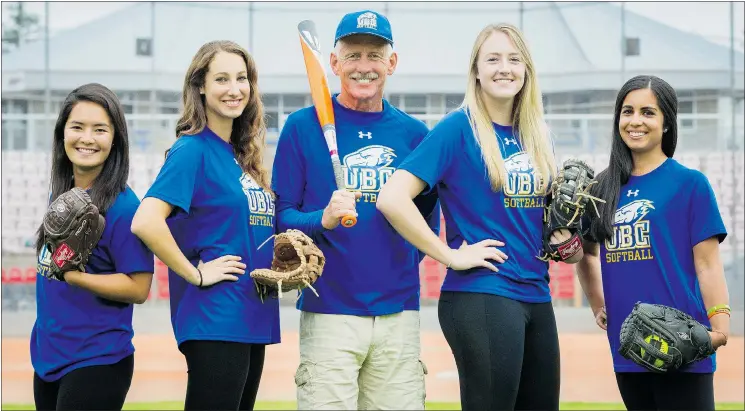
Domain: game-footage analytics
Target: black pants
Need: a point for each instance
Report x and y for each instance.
(506, 351)
(98, 387)
(222, 375)
(674, 391)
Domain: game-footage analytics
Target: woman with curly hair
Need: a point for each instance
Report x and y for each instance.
(204, 217)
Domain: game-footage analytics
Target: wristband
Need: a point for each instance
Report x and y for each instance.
(719, 308)
(200, 277)
(719, 312)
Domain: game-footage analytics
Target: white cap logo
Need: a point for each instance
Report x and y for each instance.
(367, 20)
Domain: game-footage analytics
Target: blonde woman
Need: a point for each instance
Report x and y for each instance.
(491, 161)
(204, 216)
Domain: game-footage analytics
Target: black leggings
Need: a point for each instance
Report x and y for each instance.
(222, 375)
(506, 351)
(98, 387)
(674, 391)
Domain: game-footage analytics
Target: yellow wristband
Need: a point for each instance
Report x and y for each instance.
(719, 307)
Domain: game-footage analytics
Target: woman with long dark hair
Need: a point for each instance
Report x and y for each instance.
(81, 343)
(205, 216)
(656, 240)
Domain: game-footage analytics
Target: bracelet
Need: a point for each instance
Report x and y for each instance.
(719, 312)
(200, 277)
(718, 307)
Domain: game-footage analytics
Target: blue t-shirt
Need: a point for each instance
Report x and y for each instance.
(370, 269)
(660, 217)
(218, 210)
(449, 159)
(75, 328)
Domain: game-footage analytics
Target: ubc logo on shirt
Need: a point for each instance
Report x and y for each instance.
(523, 189)
(260, 203)
(44, 262)
(367, 169)
(630, 241)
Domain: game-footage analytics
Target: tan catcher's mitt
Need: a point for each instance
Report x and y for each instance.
(297, 264)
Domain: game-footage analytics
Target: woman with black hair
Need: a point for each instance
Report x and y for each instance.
(656, 240)
(81, 342)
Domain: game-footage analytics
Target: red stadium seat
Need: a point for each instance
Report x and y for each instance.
(161, 280)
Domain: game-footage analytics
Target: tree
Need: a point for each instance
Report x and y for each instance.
(19, 27)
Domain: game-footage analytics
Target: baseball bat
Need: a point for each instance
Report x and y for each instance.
(319, 91)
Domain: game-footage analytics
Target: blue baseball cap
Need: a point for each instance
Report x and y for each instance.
(364, 22)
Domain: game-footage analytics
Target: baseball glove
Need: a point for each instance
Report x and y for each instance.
(72, 228)
(662, 338)
(565, 206)
(297, 264)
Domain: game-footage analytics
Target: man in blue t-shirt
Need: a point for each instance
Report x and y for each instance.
(359, 338)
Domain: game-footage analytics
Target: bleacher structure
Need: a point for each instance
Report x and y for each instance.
(25, 180)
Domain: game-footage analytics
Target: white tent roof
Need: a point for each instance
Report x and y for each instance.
(576, 46)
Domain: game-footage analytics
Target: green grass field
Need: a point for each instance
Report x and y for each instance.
(290, 405)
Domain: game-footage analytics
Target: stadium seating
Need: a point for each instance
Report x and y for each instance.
(25, 188)
(25, 183)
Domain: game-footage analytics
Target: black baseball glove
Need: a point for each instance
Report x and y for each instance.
(565, 206)
(662, 338)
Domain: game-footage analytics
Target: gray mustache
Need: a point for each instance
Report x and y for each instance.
(371, 76)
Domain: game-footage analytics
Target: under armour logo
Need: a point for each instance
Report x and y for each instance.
(507, 141)
(632, 193)
(368, 134)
